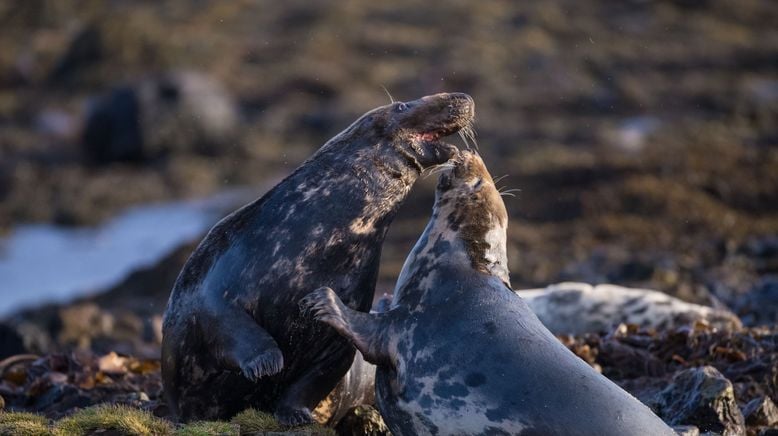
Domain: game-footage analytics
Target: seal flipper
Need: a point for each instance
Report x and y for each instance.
(254, 352)
(366, 331)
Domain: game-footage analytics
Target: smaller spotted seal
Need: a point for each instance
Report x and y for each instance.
(576, 308)
(459, 352)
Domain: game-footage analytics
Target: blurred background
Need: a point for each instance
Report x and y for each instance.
(643, 136)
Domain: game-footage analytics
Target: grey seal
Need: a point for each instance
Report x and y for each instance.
(460, 352)
(233, 336)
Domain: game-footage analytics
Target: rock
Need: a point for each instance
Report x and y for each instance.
(701, 397)
(577, 308)
(112, 363)
(112, 132)
(11, 342)
(175, 112)
(761, 412)
(362, 420)
(83, 322)
(36, 336)
(759, 306)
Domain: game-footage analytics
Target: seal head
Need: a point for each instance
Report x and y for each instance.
(468, 226)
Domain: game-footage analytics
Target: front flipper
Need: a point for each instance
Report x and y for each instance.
(368, 332)
(243, 344)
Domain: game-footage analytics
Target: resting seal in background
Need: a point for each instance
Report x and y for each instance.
(459, 352)
(233, 334)
(576, 308)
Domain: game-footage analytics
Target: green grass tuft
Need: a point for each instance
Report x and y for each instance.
(126, 420)
(208, 428)
(122, 419)
(23, 424)
(253, 421)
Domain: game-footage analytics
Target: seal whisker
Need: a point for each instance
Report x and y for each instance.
(464, 139)
(497, 179)
(391, 99)
(469, 131)
(438, 168)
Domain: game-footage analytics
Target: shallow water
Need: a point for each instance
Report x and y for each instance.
(43, 263)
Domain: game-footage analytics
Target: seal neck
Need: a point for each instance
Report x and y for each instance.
(373, 180)
(442, 246)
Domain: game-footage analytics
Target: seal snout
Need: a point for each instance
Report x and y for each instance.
(421, 124)
(462, 105)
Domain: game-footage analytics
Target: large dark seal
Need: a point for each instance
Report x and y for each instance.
(233, 334)
(459, 352)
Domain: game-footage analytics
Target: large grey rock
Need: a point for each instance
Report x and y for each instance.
(362, 420)
(701, 397)
(11, 342)
(178, 112)
(759, 306)
(761, 412)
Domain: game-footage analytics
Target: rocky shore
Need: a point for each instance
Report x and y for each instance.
(717, 381)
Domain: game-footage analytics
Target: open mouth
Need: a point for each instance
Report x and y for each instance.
(433, 137)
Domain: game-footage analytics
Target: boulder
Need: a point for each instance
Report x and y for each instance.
(759, 306)
(761, 412)
(11, 342)
(701, 397)
(362, 420)
(177, 112)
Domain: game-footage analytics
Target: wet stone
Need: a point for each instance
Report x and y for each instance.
(11, 342)
(757, 307)
(702, 397)
(761, 412)
(362, 420)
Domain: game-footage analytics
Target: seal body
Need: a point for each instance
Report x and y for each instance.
(459, 352)
(577, 308)
(233, 334)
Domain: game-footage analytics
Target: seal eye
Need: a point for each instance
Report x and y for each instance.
(402, 107)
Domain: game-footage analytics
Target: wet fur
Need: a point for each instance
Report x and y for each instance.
(233, 335)
(459, 352)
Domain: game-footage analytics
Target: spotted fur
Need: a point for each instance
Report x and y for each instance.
(459, 352)
(233, 334)
(576, 308)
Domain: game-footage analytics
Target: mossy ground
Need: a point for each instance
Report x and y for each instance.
(23, 424)
(128, 421)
